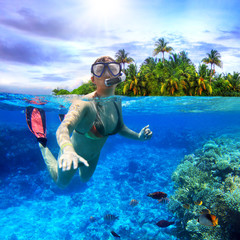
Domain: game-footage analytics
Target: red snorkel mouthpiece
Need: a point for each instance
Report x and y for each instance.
(112, 81)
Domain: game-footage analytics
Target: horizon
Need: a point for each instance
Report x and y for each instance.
(51, 45)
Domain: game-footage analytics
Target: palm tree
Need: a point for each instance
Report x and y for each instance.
(174, 60)
(201, 85)
(131, 84)
(203, 71)
(184, 57)
(122, 57)
(187, 87)
(213, 58)
(186, 80)
(170, 86)
(147, 78)
(161, 46)
(234, 81)
(151, 62)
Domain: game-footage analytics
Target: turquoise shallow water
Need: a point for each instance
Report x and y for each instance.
(32, 207)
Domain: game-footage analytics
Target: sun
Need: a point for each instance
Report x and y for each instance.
(104, 8)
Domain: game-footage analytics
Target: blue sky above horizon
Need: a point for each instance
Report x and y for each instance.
(52, 44)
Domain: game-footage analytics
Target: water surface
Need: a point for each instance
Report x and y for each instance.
(32, 207)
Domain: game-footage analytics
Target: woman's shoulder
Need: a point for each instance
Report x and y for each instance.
(89, 96)
(83, 100)
(80, 105)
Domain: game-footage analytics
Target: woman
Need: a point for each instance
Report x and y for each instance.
(89, 123)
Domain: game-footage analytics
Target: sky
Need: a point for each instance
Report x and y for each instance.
(51, 44)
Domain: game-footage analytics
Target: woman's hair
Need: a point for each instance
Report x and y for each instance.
(104, 59)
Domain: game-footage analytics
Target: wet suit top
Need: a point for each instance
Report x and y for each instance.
(98, 130)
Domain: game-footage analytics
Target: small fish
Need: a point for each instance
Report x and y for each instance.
(157, 195)
(208, 220)
(205, 211)
(164, 223)
(115, 234)
(92, 219)
(186, 206)
(110, 217)
(199, 203)
(133, 202)
(164, 200)
(61, 117)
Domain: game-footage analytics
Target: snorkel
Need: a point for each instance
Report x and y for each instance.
(112, 81)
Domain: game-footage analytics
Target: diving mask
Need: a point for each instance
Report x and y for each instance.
(112, 81)
(98, 68)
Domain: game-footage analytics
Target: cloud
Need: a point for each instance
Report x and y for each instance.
(233, 34)
(63, 27)
(27, 21)
(206, 47)
(52, 77)
(32, 53)
(23, 52)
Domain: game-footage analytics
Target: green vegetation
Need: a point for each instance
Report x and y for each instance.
(82, 90)
(175, 76)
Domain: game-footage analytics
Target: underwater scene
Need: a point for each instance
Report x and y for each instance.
(184, 183)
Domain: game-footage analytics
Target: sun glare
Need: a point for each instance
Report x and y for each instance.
(104, 8)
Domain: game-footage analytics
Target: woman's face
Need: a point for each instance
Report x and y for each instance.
(100, 81)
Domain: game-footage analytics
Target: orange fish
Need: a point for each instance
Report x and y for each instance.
(157, 195)
(133, 202)
(110, 217)
(164, 200)
(199, 203)
(208, 220)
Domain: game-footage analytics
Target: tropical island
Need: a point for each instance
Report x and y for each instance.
(176, 76)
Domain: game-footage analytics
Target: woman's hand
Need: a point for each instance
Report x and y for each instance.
(145, 134)
(69, 159)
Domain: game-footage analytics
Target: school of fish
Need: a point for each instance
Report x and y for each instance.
(205, 218)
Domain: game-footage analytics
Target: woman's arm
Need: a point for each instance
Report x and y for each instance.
(76, 113)
(127, 132)
(143, 135)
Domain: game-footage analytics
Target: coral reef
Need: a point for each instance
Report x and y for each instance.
(210, 175)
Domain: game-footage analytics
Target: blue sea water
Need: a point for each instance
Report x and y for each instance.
(33, 207)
